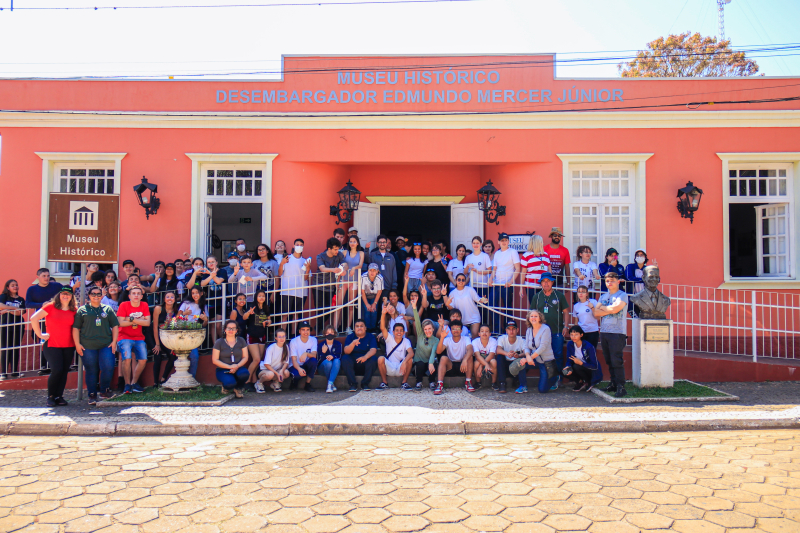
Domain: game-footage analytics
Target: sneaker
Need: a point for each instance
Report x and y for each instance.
(502, 389)
(418, 387)
(309, 388)
(439, 388)
(555, 385)
(259, 387)
(621, 392)
(468, 386)
(579, 386)
(329, 389)
(406, 387)
(383, 386)
(93, 399)
(127, 390)
(367, 388)
(60, 401)
(276, 387)
(51, 402)
(137, 388)
(353, 388)
(495, 387)
(612, 387)
(432, 385)
(521, 390)
(107, 395)
(44, 372)
(334, 388)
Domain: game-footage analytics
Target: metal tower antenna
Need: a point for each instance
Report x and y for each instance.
(721, 17)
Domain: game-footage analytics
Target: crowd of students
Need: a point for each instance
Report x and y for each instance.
(424, 313)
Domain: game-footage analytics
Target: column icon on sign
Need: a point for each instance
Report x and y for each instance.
(83, 215)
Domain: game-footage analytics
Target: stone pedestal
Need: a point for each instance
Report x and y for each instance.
(182, 342)
(653, 359)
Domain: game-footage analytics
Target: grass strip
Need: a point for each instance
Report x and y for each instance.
(203, 394)
(682, 389)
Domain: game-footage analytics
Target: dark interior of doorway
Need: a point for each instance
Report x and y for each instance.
(416, 223)
(235, 221)
(743, 245)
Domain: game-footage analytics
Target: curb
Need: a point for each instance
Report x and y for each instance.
(145, 429)
(204, 403)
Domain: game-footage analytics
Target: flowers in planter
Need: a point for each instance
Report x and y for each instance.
(181, 323)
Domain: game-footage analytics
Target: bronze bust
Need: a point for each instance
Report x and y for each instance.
(652, 303)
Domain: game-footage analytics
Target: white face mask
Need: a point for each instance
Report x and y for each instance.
(298, 249)
(241, 248)
(640, 260)
(233, 262)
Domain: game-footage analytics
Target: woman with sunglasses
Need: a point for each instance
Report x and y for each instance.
(425, 352)
(456, 266)
(230, 356)
(415, 267)
(59, 344)
(95, 334)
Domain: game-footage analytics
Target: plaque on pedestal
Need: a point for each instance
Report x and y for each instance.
(653, 359)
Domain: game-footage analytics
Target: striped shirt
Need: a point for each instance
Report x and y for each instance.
(533, 266)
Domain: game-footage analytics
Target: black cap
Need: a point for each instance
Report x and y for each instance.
(66, 288)
(128, 262)
(303, 324)
(511, 323)
(501, 236)
(169, 265)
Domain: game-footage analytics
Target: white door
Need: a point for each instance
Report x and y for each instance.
(209, 231)
(466, 221)
(772, 238)
(367, 220)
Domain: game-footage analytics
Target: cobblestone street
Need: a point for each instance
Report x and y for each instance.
(688, 482)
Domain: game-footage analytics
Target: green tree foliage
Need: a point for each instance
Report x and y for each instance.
(687, 55)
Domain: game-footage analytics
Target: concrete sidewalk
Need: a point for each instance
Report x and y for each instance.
(762, 406)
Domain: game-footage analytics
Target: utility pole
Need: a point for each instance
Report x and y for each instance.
(721, 17)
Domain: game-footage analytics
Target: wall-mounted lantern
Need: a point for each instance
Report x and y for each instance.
(349, 198)
(689, 201)
(490, 205)
(146, 195)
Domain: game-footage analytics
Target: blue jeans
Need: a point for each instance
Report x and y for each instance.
(350, 367)
(414, 284)
(310, 366)
(370, 317)
(233, 381)
(545, 381)
(194, 358)
(557, 340)
(128, 346)
(501, 295)
(330, 369)
(98, 365)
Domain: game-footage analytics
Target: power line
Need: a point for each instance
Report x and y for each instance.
(218, 6)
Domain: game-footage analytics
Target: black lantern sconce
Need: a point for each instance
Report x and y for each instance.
(146, 194)
(349, 197)
(689, 201)
(488, 203)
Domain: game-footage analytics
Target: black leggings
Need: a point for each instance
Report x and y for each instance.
(59, 360)
(163, 355)
(580, 373)
(420, 367)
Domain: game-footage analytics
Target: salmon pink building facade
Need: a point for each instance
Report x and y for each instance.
(418, 136)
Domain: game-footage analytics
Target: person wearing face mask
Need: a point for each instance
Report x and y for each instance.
(294, 271)
(241, 249)
(559, 258)
(633, 272)
(329, 352)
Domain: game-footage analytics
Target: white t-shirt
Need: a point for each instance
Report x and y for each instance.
(293, 282)
(482, 261)
(300, 349)
(401, 352)
(465, 300)
(194, 308)
(586, 319)
(505, 261)
(401, 319)
(401, 308)
(272, 357)
(517, 346)
(587, 269)
(456, 350)
(465, 332)
(415, 267)
(578, 353)
(478, 347)
(456, 267)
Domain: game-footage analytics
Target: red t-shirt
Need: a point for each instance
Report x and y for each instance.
(58, 323)
(559, 258)
(126, 309)
(534, 266)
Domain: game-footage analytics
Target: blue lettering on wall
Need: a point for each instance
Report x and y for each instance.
(222, 97)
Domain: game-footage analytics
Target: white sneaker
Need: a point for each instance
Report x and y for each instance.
(329, 389)
(335, 389)
(259, 387)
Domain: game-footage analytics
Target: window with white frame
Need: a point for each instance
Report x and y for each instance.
(233, 181)
(602, 198)
(759, 220)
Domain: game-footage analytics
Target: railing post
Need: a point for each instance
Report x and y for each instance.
(753, 328)
(358, 303)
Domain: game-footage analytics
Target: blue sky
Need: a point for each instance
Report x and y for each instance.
(167, 42)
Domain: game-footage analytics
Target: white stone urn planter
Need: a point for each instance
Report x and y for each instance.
(182, 342)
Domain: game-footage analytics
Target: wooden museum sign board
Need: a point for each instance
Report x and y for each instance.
(83, 228)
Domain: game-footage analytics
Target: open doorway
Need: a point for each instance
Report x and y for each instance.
(416, 223)
(231, 221)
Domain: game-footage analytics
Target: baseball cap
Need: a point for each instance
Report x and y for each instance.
(66, 288)
(511, 324)
(170, 265)
(555, 231)
(373, 266)
(128, 262)
(233, 254)
(547, 275)
(303, 324)
(612, 251)
(400, 238)
(351, 230)
(501, 236)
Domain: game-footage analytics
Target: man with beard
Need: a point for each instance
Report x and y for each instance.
(559, 258)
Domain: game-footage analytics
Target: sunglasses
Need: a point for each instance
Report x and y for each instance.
(231, 329)
(95, 294)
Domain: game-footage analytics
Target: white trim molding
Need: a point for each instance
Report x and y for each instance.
(792, 281)
(197, 245)
(638, 208)
(415, 200)
(555, 119)
(49, 162)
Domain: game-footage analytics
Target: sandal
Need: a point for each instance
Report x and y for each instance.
(238, 393)
(225, 391)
